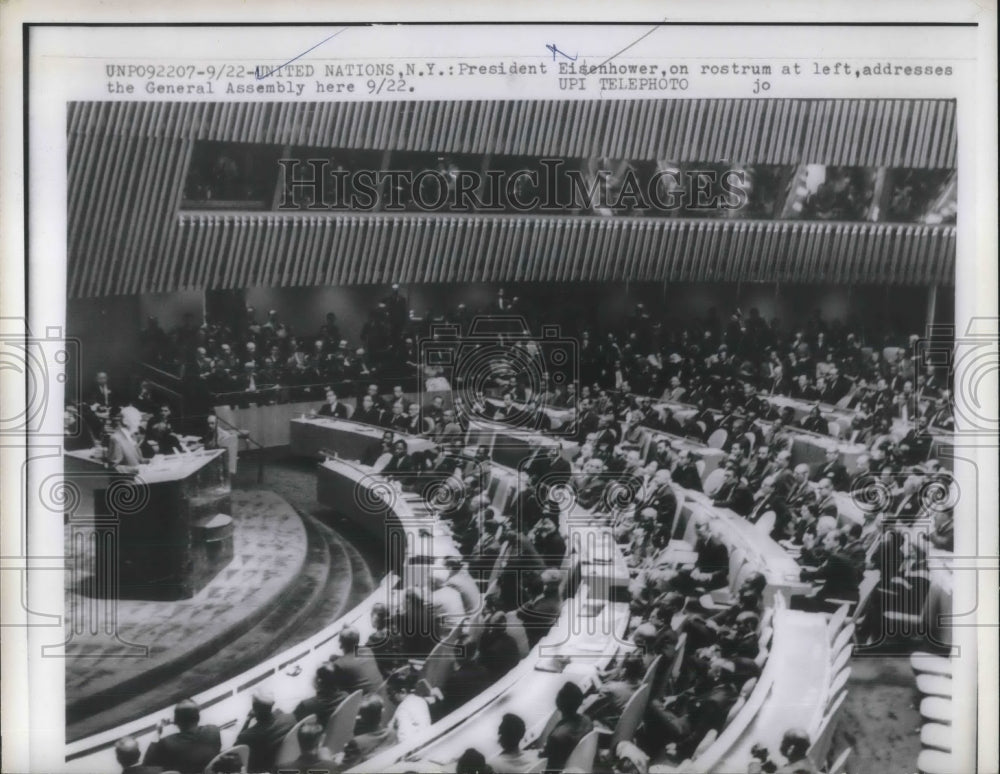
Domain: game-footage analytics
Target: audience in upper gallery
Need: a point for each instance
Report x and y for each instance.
(191, 748)
(264, 730)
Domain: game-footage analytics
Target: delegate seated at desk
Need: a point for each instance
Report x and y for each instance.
(332, 407)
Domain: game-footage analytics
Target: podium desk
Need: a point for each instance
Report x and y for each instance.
(172, 522)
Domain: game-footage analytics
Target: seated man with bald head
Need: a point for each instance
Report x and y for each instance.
(191, 749)
(357, 669)
(127, 753)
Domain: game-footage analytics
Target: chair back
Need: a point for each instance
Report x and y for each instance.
(836, 623)
(713, 481)
(844, 640)
(550, 724)
(631, 716)
(820, 747)
(839, 765)
(681, 516)
(582, 757)
(718, 438)
(699, 465)
(678, 662)
(840, 660)
(865, 591)
(705, 743)
(340, 727)
(651, 669)
(241, 750)
(735, 709)
(839, 684)
(833, 428)
(515, 628)
(289, 749)
(765, 524)
(440, 661)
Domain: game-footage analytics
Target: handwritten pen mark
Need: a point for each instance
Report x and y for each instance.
(261, 76)
(555, 50)
(638, 40)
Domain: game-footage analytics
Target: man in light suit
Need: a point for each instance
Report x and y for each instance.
(123, 453)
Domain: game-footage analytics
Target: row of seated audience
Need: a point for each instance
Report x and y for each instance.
(821, 360)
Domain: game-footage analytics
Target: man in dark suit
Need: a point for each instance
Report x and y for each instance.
(191, 748)
(768, 500)
(369, 735)
(357, 668)
(685, 474)
(311, 759)
(100, 398)
(333, 407)
(264, 731)
(815, 423)
(538, 614)
(498, 651)
(734, 494)
(799, 493)
(329, 694)
(756, 469)
(571, 728)
(840, 573)
(662, 499)
(368, 413)
(127, 753)
(469, 679)
(834, 470)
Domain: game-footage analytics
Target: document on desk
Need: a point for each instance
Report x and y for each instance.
(161, 159)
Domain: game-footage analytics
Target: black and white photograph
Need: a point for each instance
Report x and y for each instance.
(613, 428)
